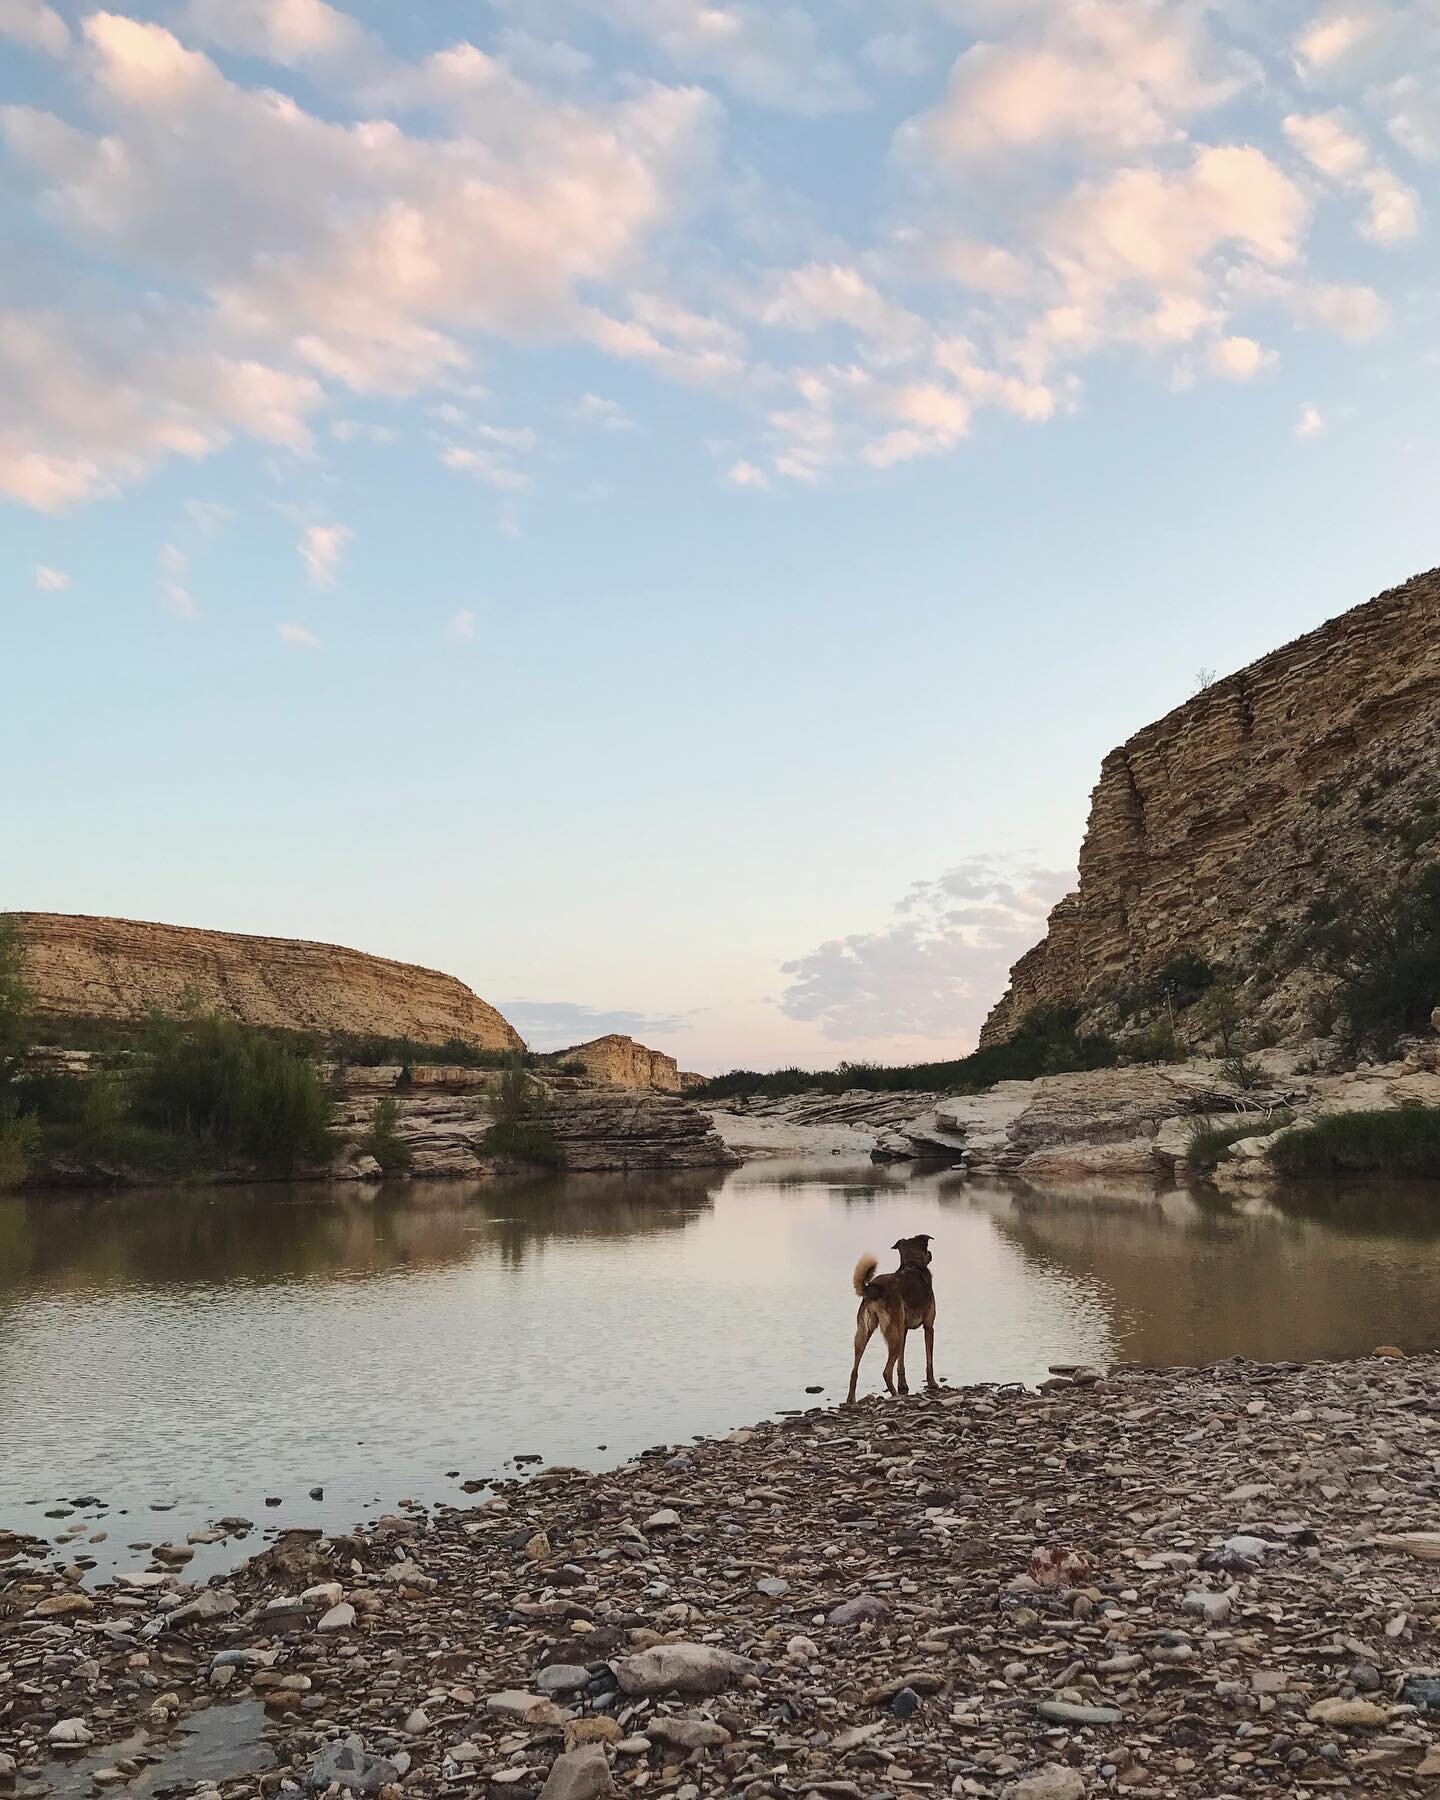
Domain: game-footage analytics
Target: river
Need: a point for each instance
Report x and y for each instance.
(177, 1356)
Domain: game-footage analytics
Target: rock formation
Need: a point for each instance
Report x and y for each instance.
(445, 1112)
(625, 1063)
(80, 967)
(1319, 762)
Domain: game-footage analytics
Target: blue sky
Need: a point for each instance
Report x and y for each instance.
(660, 508)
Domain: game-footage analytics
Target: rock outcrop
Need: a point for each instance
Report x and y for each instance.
(1221, 821)
(80, 967)
(443, 1114)
(624, 1063)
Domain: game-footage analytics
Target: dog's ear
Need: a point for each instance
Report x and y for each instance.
(922, 1237)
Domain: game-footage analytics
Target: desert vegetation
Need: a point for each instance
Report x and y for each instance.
(522, 1127)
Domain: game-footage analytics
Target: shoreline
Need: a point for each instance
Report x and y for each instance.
(1170, 1581)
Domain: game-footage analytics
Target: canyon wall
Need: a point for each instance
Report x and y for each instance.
(80, 967)
(1219, 823)
(621, 1060)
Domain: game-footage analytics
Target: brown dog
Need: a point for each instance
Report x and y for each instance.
(896, 1304)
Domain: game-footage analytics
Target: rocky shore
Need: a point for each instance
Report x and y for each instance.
(1190, 1582)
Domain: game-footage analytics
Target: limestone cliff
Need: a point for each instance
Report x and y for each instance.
(1219, 823)
(621, 1060)
(81, 967)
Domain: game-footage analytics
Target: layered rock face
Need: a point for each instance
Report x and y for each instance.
(80, 967)
(444, 1114)
(1224, 818)
(621, 1060)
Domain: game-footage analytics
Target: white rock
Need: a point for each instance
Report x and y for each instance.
(680, 1669)
(339, 1618)
(70, 1731)
(1054, 1782)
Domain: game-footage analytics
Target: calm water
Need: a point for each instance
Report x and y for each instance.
(200, 1352)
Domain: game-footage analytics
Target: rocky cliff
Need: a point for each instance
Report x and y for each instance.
(627, 1064)
(1214, 828)
(82, 967)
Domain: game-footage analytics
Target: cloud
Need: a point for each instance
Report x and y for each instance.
(745, 474)
(1350, 311)
(50, 581)
(463, 627)
(938, 967)
(1108, 74)
(321, 547)
(312, 253)
(1309, 424)
(178, 601)
(1333, 147)
(35, 25)
(489, 466)
(558, 1024)
(1330, 37)
(87, 405)
(1238, 358)
(766, 52)
(291, 32)
(609, 415)
(298, 636)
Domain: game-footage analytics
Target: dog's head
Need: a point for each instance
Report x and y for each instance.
(914, 1249)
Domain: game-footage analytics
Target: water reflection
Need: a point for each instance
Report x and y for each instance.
(200, 1352)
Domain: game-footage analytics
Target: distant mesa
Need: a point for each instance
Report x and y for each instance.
(624, 1063)
(95, 968)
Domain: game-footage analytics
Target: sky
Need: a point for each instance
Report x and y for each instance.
(659, 509)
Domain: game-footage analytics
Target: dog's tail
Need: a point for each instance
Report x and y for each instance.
(864, 1273)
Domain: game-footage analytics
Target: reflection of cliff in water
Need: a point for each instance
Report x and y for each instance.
(269, 1234)
(1194, 1279)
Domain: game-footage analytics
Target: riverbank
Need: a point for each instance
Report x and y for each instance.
(1173, 1582)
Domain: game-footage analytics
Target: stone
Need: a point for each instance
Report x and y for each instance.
(513, 1703)
(581, 1774)
(863, 1609)
(1055, 1781)
(1422, 1691)
(622, 1062)
(680, 1669)
(596, 1730)
(772, 1586)
(350, 1765)
(563, 1678)
(70, 1733)
(1422, 1544)
(1347, 1713)
(58, 1605)
(687, 1734)
(1065, 1712)
(339, 1618)
(208, 1604)
(904, 1703)
(1212, 1607)
(666, 1519)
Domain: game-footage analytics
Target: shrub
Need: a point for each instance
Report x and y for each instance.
(1217, 1013)
(1209, 1142)
(522, 1128)
(1385, 956)
(1401, 1141)
(14, 1001)
(1179, 982)
(19, 1134)
(571, 1066)
(234, 1090)
(383, 1140)
(1242, 1071)
(1157, 1043)
(1045, 1043)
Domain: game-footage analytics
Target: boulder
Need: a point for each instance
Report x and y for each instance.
(581, 1774)
(680, 1669)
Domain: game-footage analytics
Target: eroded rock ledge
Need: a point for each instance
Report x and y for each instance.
(94, 968)
(1182, 1582)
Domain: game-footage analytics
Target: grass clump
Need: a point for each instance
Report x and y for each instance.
(522, 1126)
(1403, 1140)
(382, 1139)
(1210, 1141)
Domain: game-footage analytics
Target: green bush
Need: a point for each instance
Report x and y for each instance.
(1045, 1043)
(1384, 956)
(383, 1140)
(1217, 1014)
(1157, 1043)
(370, 1051)
(571, 1066)
(1242, 1071)
(1402, 1141)
(233, 1090)
(522, 1128)
(19, 1134)
(1179, 982)
(1209, 1142)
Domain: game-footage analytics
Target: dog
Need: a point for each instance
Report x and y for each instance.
(896, 1304)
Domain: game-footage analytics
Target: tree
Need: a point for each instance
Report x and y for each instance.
(1218, 1013)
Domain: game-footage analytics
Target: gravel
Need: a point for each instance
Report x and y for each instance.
(1145, 1584)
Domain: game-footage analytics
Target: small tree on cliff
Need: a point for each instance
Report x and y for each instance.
(17, 1131)
(522, 1125)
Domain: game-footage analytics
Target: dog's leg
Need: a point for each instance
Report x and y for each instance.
(895, 1344)
(900, 1371)
(864, 1329)
(929, 1324)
